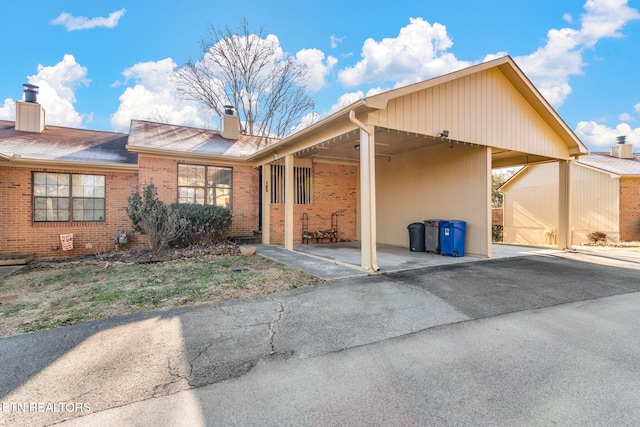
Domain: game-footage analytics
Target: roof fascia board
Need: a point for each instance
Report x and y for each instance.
(26, 162)
(308, 131)
(154, 152)
(311, 141)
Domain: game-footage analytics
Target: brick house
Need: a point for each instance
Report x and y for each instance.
(366, 171)
(57, 181)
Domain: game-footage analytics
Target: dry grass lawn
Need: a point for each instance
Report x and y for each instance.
(44, 296)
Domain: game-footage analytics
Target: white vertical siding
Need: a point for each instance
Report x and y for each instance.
(595, 204)
(531, 206)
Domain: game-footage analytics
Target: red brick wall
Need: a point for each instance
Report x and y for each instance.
(163, 172)
(630, 209)
(334, 190)
(19, 234)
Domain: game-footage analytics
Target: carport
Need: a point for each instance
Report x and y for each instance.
(426, 151)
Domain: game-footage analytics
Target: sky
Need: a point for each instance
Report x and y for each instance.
(101, 64)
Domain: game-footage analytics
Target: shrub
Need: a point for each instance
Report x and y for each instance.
(149, 215)
(597, 237)
(205, 224)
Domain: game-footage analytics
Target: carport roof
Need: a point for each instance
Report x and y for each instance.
(339, 121)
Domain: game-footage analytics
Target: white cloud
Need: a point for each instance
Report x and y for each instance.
(305, 122)
(418, 53)
(72, 23)
(335, 40)
(345, 100)
(492, 56)
(8, 110)
(422, 50)
(599, 137)
(551, 66)
(605, 18)
(154, 97)
(625, 117)
(58, 85)
(317, 67)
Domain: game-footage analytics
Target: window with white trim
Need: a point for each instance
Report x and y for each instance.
(205, 185)
(68, 197)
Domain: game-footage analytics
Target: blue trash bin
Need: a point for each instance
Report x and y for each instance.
(452, 236)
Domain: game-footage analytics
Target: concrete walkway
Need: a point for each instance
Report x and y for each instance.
(530, 340)
(341, 260)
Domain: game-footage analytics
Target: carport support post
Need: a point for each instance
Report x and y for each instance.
(564, 204)
(369, 259)
(266, 204)
(288, 202)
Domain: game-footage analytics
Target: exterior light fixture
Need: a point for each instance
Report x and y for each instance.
(444, 134)
(356, 147)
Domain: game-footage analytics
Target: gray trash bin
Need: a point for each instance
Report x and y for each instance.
(416, 237)
(432, 235)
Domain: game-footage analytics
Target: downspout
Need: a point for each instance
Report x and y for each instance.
(367, 162)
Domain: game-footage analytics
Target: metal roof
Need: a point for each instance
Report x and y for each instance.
(615, 165)
(65, 144)
(172, 138)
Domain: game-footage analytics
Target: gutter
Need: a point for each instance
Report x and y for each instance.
(19, 161)
(185, 155)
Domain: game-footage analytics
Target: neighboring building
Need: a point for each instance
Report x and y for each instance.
(605, 197)
(414, 153)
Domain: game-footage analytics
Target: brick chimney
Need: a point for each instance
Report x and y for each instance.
(30, 116)
(230, 123)
(622, 150)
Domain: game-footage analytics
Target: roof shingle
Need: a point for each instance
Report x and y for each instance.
(160, 136)
(608, 163)
(65, 144)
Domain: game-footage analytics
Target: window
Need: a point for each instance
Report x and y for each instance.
(205, 185)
(68, 197)
(301, 187)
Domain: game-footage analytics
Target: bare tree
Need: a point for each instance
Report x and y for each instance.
(249, 71)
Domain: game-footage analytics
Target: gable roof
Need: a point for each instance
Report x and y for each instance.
(602, 162)
(506, 66)
(158, 138)
(64, 145)
(510, 70)
(611, 164)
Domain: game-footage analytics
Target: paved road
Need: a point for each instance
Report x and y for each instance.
(541, 340)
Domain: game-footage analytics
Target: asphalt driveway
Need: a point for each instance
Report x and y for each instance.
(535, 340)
